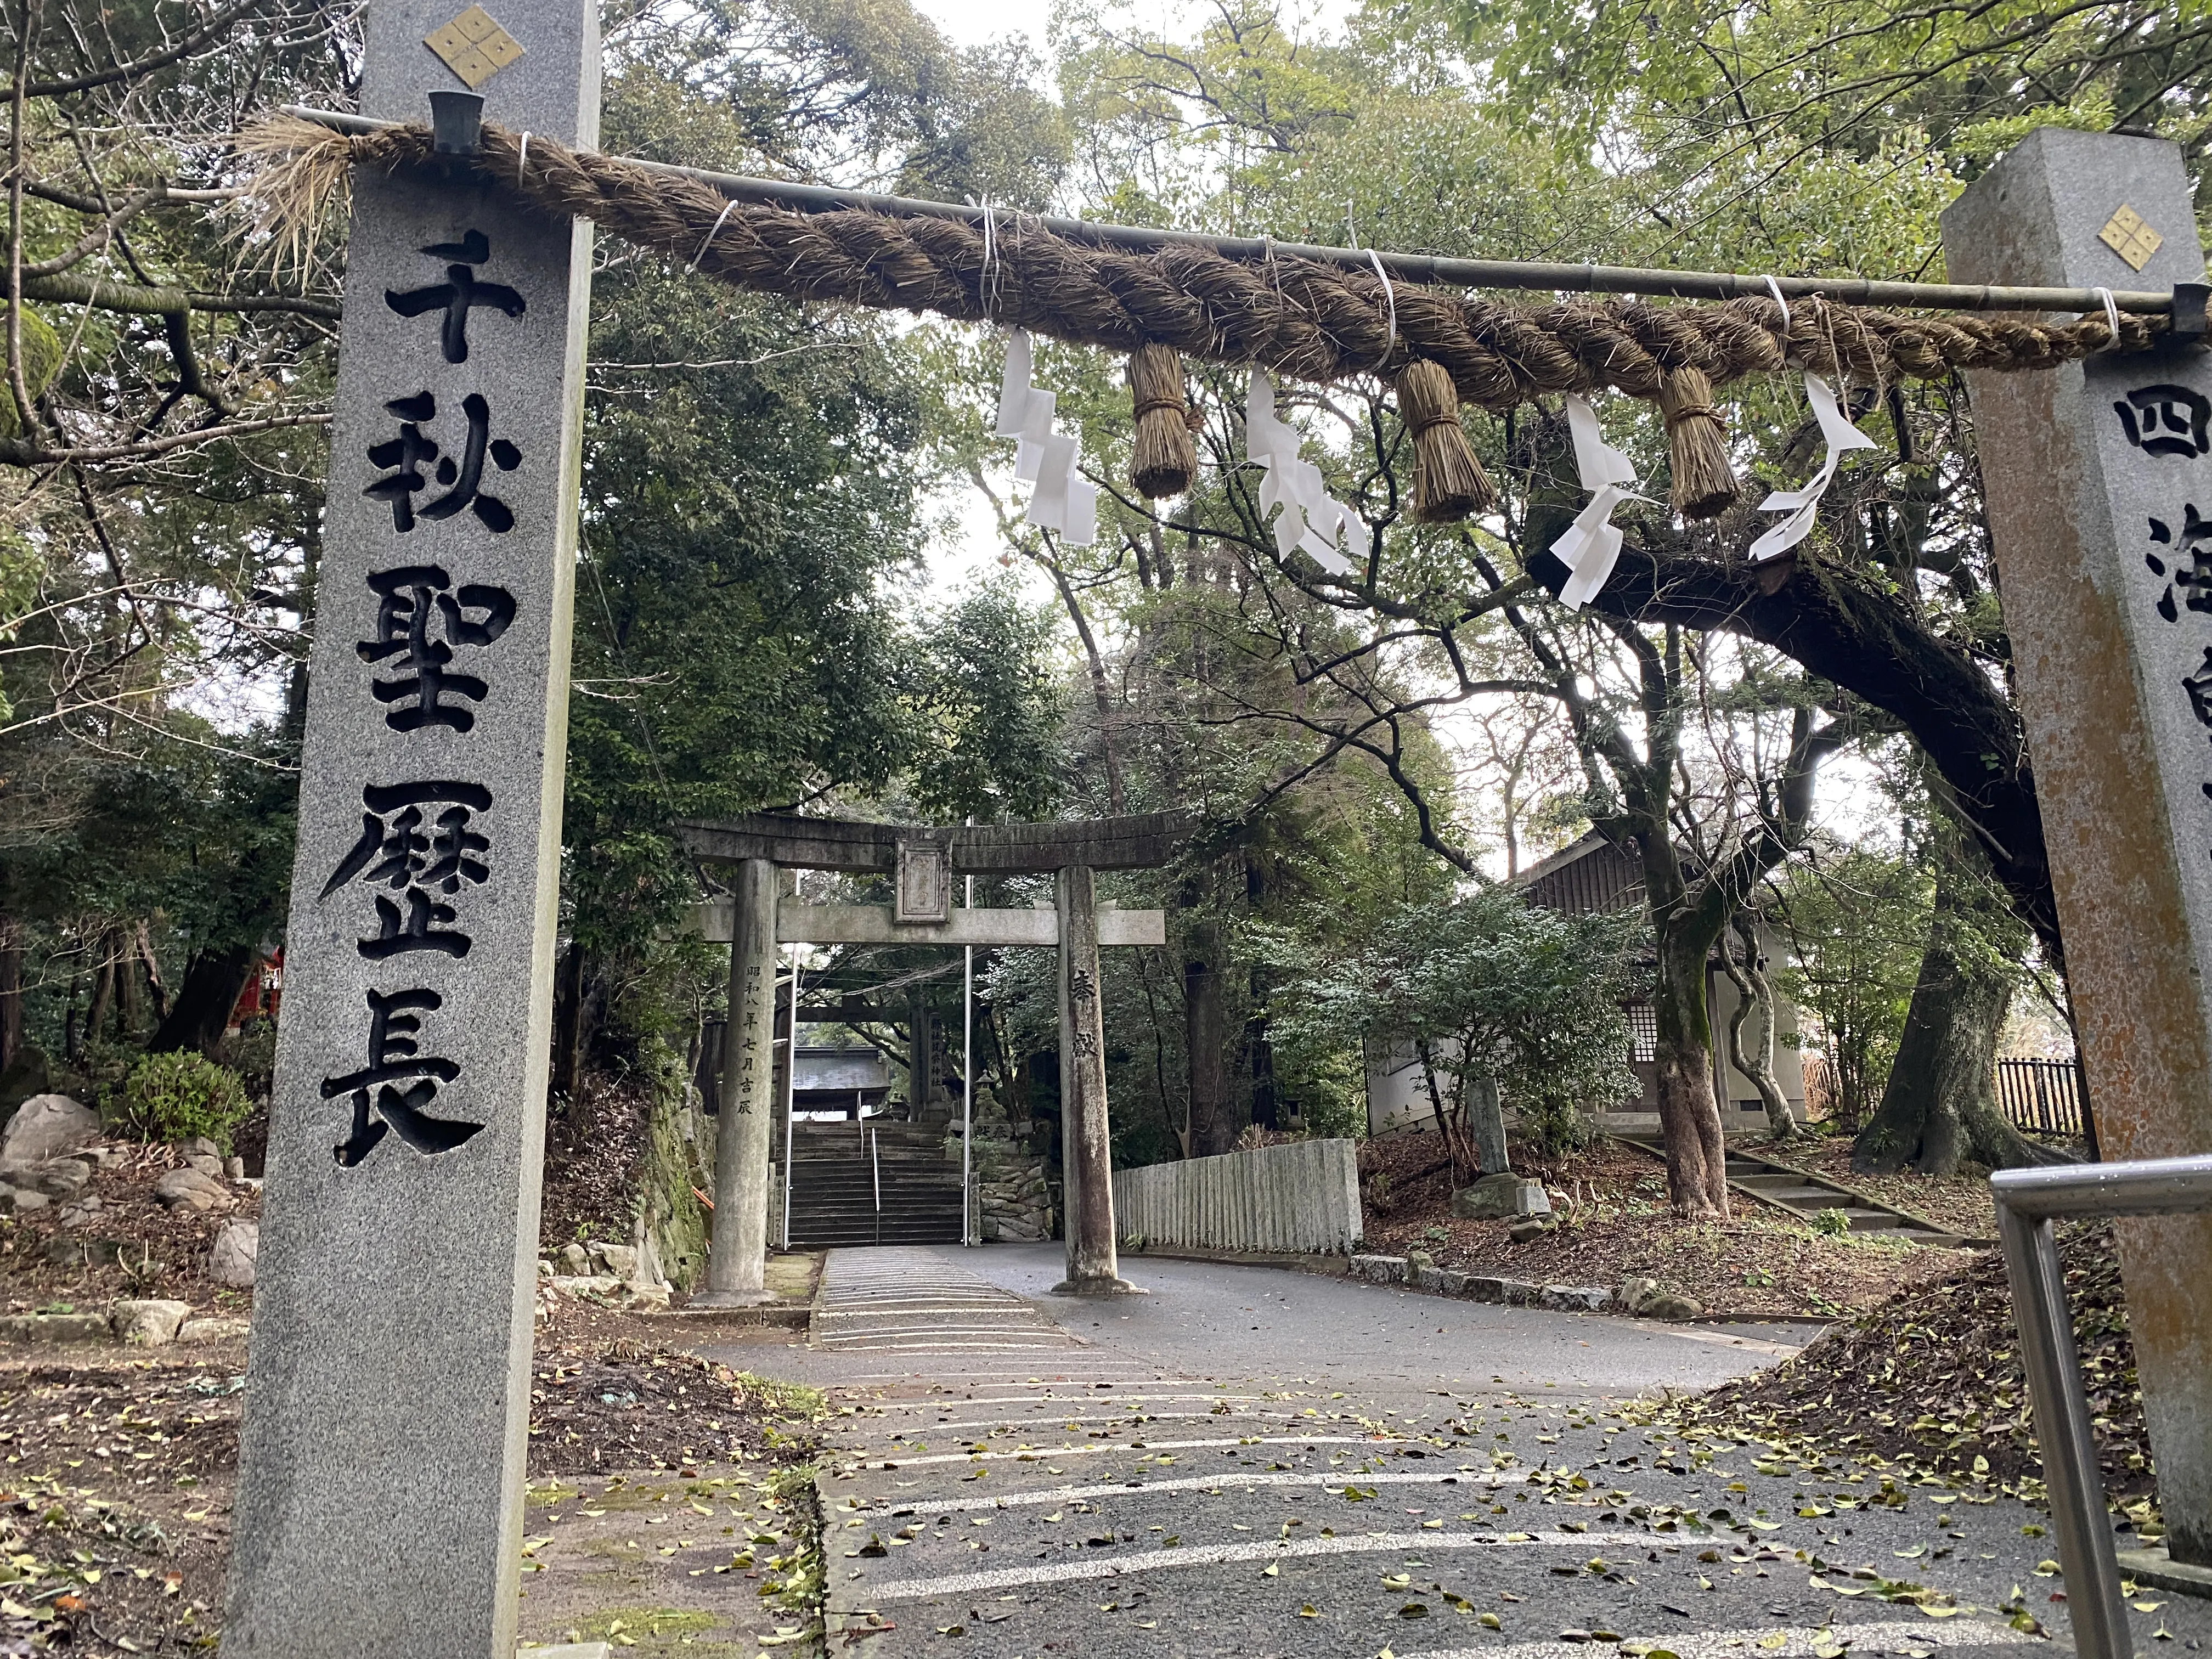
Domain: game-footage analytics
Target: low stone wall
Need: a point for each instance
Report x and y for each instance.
(1301, 1197)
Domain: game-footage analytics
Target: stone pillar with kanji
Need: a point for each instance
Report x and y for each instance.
(2099, 483)
(380, 1499)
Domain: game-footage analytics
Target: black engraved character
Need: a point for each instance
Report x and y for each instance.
(2199, 687)
(458, 295)
(392, 1060)
(417, 858)
(2190, 563)
(2166, 420)
(407, 454)
(410, 597)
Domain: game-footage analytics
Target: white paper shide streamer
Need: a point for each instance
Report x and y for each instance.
(1592, 543)
(1060, 501)
(1311, 519)
(1803, 506)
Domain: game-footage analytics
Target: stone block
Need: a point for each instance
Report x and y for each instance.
(1530, 1227)
(47, 1126)
(64, 1178)
(55, 1327)
(235, 1254)
(188, 1190)
(575, 1259)
(212, 1330)
(1380, 1269)
(569, 1650)
(1574, 1298)
(84, 1210)
(1483, 1287)
(1519, 1292)
(22, 1200)
(1498, 1197)
(148, 1324)
(618, 1260)
(206, 1162)
(1451, 1282)
(62, 1251)
(1648, 1299)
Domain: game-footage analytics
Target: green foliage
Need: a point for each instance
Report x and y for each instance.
(1857, 922)
(1834, 1224)
(182, 1095)
(990, 743)
(1492, 988)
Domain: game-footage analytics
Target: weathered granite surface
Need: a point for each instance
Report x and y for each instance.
(379, 1503)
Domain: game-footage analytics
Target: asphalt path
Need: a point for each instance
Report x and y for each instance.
(1253, 1461)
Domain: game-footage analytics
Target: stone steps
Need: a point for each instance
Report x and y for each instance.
(1807, 1195)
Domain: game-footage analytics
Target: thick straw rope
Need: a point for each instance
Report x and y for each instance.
(1309, 321)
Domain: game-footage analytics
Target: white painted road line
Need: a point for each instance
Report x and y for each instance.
(1039, 1453)
(1189, 1483)
(1060, 1420)
(1210, 1555)
(1900, 1636)
(939, 1402)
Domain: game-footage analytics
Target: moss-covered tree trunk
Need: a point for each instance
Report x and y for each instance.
(1755, 1001)
(1689, 1116)
(1940, 1105)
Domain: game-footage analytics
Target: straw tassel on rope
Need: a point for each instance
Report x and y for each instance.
(1449, 482)
(1163, 460)
(1697, 440)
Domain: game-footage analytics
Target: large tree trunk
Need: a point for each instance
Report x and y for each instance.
(1754, 1000)
(1689, 1116)
(103, 989)
(1212, 1126)
(1940, 1105)
(11, 991)
(200, 1014)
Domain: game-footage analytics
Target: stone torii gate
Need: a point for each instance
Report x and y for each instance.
(922, 862)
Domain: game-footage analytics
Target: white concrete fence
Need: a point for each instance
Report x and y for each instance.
(1302, 1197)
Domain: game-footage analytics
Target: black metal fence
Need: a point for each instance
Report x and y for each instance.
(2043, 1097)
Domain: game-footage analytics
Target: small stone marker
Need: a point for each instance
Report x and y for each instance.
(2098, 480)
(380, 1498)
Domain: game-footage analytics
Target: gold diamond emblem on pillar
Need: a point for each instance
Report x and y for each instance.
(474, 46)
(2127, 235)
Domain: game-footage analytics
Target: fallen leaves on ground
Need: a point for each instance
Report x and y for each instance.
(1931, 1382)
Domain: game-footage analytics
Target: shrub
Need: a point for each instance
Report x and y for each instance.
(1834, 1222)
(176, 1097)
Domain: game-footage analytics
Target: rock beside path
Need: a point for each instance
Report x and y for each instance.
(236, 1252)
(189, 1189)
(45, 1127)
(150, 1324)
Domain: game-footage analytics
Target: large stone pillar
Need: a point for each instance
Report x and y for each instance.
(2099, 488)
(737, 1260)
(1086, 1146)
(379, 1508)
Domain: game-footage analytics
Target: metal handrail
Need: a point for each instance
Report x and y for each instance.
(2028, 1202)
(876, 1170)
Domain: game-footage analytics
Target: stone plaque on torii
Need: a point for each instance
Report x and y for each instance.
(922, 862)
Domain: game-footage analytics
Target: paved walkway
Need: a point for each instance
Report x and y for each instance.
(914, 1301)
(1250, 1462)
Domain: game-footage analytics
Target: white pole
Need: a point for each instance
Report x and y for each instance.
(790, 1093)
(968, 1227)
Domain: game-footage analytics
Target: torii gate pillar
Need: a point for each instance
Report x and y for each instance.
(2098, 479)
(1085, 1141)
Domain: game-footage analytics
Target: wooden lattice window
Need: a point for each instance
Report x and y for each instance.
(1643, 1032)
